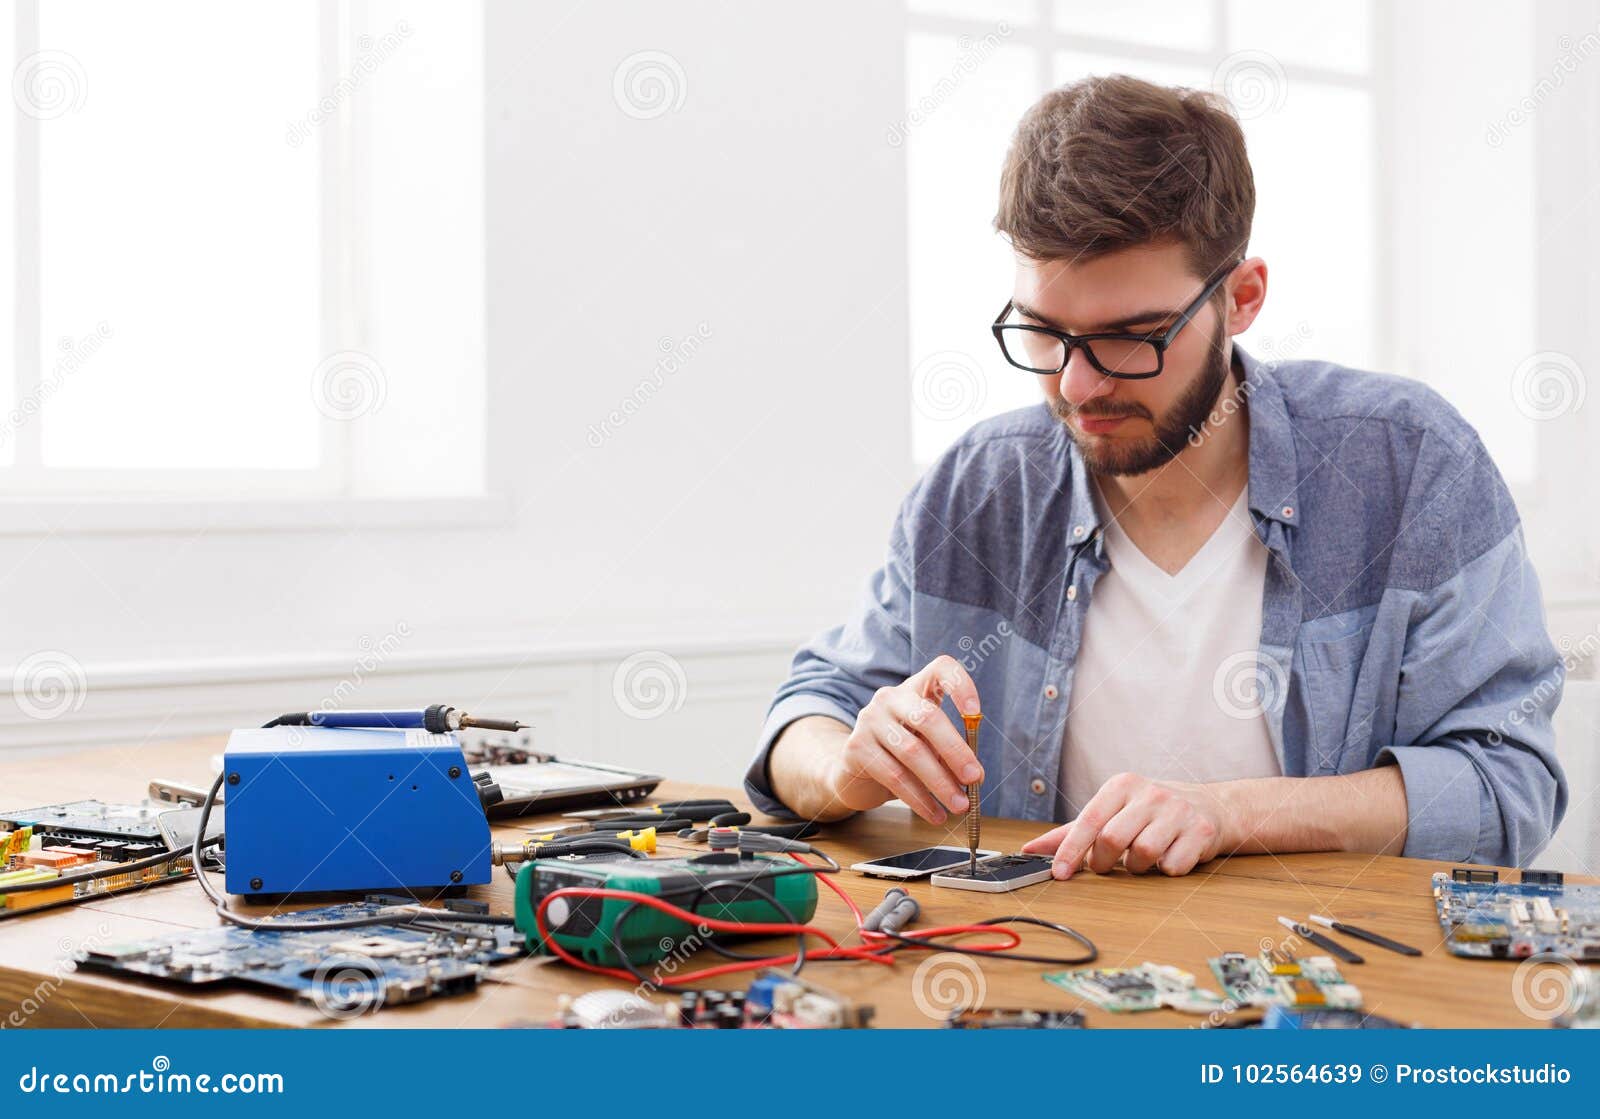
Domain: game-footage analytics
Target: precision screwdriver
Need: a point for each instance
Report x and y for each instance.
(974, 815)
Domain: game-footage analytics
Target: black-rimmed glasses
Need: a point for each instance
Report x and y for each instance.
(1132, 357)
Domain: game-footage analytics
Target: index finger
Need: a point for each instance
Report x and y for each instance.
(945, 676)
(1086, 828)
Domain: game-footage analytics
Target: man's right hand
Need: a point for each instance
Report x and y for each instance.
(904, 745)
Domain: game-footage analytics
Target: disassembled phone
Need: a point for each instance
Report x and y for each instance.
(997, 875)
(919, 863)
(1486, 918)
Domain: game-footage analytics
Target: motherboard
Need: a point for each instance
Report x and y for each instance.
(342, 972)
(1486, 918)
(66, 841)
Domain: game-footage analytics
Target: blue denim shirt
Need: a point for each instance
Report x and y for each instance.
(1401, 620)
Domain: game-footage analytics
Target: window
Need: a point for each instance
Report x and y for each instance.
(249, 250)
(1317, 100)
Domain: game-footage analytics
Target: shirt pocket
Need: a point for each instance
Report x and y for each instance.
(1331, 670)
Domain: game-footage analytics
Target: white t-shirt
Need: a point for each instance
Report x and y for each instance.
(1166, 681)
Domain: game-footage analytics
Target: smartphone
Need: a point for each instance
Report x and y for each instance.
(919, 863)
(997, 875)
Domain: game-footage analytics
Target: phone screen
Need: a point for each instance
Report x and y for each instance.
(925, 859)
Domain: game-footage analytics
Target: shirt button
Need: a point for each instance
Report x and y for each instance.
(1077, 530)
(1037, 786)
(1050, 691)
(1072, 593)
(1288, 510)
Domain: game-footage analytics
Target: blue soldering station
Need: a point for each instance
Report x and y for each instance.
(356, 800)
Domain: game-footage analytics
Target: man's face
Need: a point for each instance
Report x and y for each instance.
(1122, 426)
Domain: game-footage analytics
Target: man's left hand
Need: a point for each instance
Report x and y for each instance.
(1143, 824)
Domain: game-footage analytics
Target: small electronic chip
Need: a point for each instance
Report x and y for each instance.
(1312, 982)
(1130, 989)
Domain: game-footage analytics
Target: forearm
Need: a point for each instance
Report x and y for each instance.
(1364, 811)
(803, 764)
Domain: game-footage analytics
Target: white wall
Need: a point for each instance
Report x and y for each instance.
(745, 502)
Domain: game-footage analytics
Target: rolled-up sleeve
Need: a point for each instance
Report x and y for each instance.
(836, 673)
(1479, 685)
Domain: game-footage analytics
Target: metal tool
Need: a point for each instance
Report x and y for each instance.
(1365, 934)
(440, 718)
(694, 810)
(1332, 947)
(974, 814)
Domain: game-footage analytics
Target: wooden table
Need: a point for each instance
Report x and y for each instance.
(1229, 905)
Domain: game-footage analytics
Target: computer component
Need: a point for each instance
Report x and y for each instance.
(997, 875)
(919, 863)
(532, 783)
(1001, 1018)
(1279, 978)
(1129, 989)
(1282, 1018)
(1485, 918)
(86, 846)
(341, 971)
(313, 809)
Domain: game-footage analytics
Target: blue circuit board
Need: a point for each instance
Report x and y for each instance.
(342, 972)
(1486, 918)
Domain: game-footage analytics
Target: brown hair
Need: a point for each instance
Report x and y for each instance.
(1107, 163)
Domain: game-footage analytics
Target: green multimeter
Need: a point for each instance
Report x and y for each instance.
(724, 884)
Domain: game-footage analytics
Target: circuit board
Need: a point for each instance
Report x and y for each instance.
(1149, 986)
(1276, 978)
(40, 845)
(1486, 918)
(343, 972)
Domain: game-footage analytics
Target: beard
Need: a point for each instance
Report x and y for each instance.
(1185, 420)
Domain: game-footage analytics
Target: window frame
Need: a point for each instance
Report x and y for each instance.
(35, 498)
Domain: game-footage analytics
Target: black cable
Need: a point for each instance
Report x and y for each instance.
(901, 940)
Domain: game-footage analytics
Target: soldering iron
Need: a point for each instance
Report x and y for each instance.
(440, 718)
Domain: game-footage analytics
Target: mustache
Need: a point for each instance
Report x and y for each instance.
(1097, 409)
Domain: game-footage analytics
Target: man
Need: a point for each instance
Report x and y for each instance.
(1212, 605)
